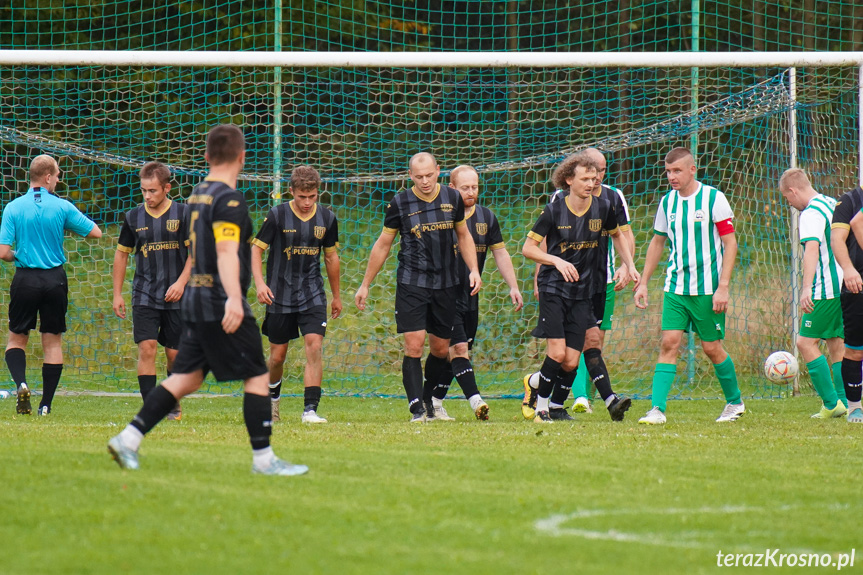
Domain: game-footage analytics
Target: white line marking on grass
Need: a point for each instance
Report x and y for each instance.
(554, 525)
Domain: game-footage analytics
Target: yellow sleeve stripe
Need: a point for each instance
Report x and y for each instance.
(260, 244)
(461, 223)
(615, 231)
(534, 236)
(331, 249)
(391, 231)
(840, 226)
(187, 243)
(226, 231)
(625, 228)
(496, 246)
(125, 249)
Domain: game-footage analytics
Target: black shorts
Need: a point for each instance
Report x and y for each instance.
(231, 357)
(852, 317)
(597, 304)
(163, 325)
(562, 318)
(432, 310)
(45, 292)
(281, 328)
(464, 329)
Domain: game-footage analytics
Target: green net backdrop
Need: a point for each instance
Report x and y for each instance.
(359, 126)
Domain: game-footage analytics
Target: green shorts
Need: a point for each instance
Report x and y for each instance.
(825, 321)
(608, 314)
(693, 313)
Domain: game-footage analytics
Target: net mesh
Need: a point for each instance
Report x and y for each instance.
(359, 126)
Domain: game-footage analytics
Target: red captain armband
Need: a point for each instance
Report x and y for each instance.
(725, 227)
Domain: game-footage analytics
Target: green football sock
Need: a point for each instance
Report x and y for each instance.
(582, 380)
(727, 377)
(819, 371)
(837, 382)
(663, 378)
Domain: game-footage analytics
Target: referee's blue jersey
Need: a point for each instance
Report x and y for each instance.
(33, 225)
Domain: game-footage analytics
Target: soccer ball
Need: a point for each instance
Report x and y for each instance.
(781, 367)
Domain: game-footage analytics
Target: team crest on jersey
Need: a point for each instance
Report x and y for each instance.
(672, 217)
(172, 225)
(320, 232)
(594, 225)
(481, 228)
(699, 215)
(233, 203)
(446, 207)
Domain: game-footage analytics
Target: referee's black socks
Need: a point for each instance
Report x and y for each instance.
(16, 361)
(50, 380)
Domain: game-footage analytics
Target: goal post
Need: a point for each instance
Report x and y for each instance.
(357, 117)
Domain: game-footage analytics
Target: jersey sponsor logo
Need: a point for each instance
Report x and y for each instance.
(159, 246)
(320, 232)
(172, 225)
(594, 225)
(233, 203)
(144, 229)
(446, 207)
(289, 231)
(672, 217)
(699, 215)
(301, 251)
(564, 227)
(481, 228)
(576, 246)
(201, 280)
(418, 229)
(200, 199)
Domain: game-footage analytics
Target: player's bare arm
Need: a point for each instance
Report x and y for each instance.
(810, 262)
(333, 265)
(175, 290)
(627, 272)
(507, 271)
(838, 237)
(264, 293)
(654, 254)
(228, 262)
(729, 257)
(118, 276)
(467, 248)
(7, 254)
(377, 259)
(532, 251)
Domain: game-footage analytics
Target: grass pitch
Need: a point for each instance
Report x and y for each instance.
(386, 496)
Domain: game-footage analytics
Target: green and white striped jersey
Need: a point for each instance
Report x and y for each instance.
(695, 261)
(815, 220)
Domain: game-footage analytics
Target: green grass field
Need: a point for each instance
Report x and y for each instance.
(386, 496)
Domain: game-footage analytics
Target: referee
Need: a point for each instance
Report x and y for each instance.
(34, 224)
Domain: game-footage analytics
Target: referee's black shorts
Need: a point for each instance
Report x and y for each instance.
(37, 291)
(230, 357)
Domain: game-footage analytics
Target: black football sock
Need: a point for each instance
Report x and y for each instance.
(50, 380)
(146, 383)
(562, 385)
(444, 382)
(275, 389)
(16, 361)
(311, 398)
(158, 404)
(257, 414)
(547, 374)
(412, 380)
(434, 366)
(598, 372)
(465, 376)
(852, 374)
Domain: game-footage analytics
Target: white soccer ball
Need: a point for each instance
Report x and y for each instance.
(781, 367)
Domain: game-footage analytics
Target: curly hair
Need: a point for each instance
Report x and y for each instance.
(305, 179)
(566, 169)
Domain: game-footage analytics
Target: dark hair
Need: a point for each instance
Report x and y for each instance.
(225, 143)
(566, 168)
(677, 154)
(156, 170)
(305, 179)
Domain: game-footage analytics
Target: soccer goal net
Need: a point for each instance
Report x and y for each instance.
(359, 125)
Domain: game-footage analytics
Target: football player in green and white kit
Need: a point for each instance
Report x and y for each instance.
(819, 293)
(697, 220)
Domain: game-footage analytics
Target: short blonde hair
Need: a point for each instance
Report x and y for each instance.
(42, 166)
(794, 178)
